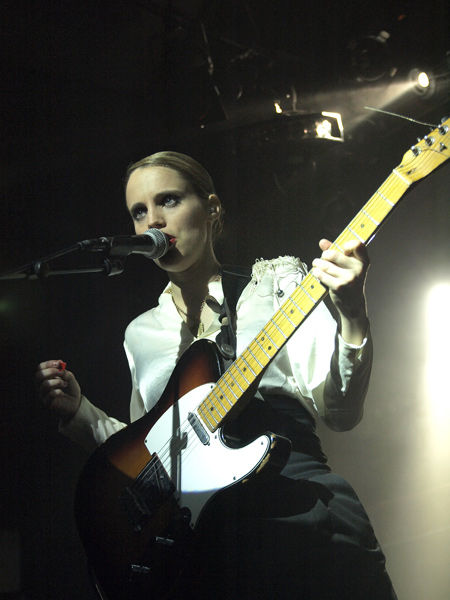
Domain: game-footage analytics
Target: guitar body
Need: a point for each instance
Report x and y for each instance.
(142, 493)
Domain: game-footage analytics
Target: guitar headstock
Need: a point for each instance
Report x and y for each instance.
(427, 154)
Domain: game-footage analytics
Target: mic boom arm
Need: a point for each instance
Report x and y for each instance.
(153, 244)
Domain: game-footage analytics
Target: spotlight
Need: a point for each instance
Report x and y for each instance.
(434, 82)
(332, 127)
(323, 126)
(423, 82)
(287, 131)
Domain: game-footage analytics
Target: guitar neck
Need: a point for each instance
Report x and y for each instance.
(249, 366)
(372, 216)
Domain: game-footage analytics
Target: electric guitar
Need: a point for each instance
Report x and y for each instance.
(141, 495)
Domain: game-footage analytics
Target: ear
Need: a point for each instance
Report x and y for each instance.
(214, 207)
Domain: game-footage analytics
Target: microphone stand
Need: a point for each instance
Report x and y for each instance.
(113, 264)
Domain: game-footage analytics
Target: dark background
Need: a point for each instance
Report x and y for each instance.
(87, 88)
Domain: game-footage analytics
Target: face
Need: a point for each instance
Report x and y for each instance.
(160, 197)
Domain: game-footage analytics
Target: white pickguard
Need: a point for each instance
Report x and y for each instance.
(198, 470)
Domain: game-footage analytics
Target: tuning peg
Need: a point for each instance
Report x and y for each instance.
(443, 129)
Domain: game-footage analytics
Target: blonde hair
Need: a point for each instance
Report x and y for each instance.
(192, 171)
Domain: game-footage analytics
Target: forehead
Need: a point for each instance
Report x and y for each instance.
(147, 182)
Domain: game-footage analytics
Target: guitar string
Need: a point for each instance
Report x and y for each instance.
(165, 455)
(376, 202)
(166, 452)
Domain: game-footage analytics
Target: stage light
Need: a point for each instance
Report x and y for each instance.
(289, 129)
(432, 82)
(278, 108)
(423, 82)
(331, 127)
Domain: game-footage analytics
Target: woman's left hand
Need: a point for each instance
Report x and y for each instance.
(344, 274)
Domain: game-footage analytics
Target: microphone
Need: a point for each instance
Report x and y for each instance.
(152, 244)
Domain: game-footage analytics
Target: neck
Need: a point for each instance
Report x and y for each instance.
(191, 287)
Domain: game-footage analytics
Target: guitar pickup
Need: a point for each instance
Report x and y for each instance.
(199, 429)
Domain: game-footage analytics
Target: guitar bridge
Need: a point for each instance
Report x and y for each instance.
(148, 491)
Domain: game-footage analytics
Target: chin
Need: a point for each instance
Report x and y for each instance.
(172, 261)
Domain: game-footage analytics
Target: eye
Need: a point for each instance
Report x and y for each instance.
(138, 213)
(170, 200)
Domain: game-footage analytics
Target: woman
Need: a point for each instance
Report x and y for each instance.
(301, 533)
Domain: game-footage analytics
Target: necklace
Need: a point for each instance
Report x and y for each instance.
(198, 328)
(182, 312)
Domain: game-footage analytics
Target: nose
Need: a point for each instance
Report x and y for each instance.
(155, 218)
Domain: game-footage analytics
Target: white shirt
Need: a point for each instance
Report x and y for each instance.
(302, 369)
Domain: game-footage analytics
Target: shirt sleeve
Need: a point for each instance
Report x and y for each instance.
(327, 375)
(90, 426)
(340, 401)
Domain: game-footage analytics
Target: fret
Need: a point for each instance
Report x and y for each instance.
(229, 385)
(337, 246)
(364, 225)
(298, 307)
(371, 218)
(248, 366)
(315, 288)
(408, 183)
(262, 357)
(269, 351)
(242, 375)
(255, 359)
(286, 317)
(378, 208)
(280, 331)
(221, 395)
(270, 337)
(385, 199)
(305, 300)
(213, 408)
(219, 400)
(211, 423)
(262, 348)
(356, 235)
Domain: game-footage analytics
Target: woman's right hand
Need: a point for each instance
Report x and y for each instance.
(58, 389)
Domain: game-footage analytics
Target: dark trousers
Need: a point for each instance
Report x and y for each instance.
(307, 539)
(302, 534)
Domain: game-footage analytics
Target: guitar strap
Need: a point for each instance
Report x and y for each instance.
(234, 280)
